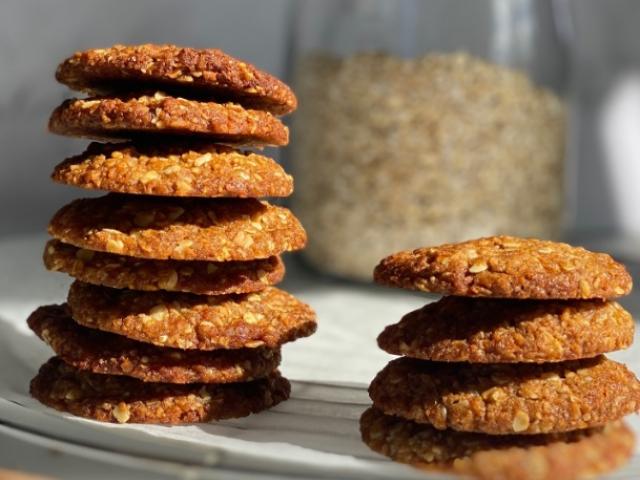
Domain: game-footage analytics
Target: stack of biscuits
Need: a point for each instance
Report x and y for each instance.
(505, 377)
(173, 316)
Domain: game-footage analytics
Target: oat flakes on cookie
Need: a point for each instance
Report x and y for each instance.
(205, 72)
(268, 318)
(566, 456)
(107, 353)
(507, 267)
(191, 276)
(179, 228)
(486, 330)
(133, 116)
(507, 398)
(184, 169)
(119, 399)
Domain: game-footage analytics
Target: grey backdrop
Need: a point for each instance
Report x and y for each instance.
(36, 35)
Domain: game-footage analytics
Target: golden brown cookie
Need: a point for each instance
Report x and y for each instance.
(181, 169)
(133, 116)
(6, 474)
(482, 330)
(507, 267)
(107, 353)
(118, 399)
(566, 456)
(507, 398)
(183, 320)
(190, 71)
(179, 228)
(193, 276)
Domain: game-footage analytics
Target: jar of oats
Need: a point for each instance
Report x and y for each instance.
(424, 122)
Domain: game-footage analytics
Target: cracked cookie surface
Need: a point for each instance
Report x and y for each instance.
(507, 267)
(507, 398)
(482, 330)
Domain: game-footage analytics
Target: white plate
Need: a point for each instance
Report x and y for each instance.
(314, 434)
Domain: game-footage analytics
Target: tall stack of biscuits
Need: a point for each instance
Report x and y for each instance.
(505, 377)
(173, 316)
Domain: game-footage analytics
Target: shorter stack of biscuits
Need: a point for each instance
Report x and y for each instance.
(173, 316)
(505, 377)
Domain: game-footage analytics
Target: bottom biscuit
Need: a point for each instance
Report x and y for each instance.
(120, 399)
(103, 352)
(567, 456)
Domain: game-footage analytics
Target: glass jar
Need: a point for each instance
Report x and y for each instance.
(423, 122)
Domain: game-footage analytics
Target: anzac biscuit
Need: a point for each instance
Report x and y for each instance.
(6, 474)
(507, 267)
(507, 398)
(134, 116)
(204, 72)
(179, 228)
(459, 329)
(193, 276)
(567, 456)
(102, 352)
(118, 399)
(183, 320)
(183, 169)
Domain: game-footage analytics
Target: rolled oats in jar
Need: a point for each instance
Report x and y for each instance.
(393, 152)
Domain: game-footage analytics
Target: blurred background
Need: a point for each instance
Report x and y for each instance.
(420, 121)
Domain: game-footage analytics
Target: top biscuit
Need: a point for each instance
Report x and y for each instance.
(572, 455)
(202, 72)
(507, 267)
